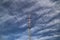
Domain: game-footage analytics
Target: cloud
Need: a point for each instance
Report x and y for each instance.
(13, 19)
(5, 18)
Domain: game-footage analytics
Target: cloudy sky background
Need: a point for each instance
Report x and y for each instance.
(45, 19)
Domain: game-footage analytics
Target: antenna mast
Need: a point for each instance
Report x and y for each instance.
(29, 27)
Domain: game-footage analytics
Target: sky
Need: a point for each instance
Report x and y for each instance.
(45, 19)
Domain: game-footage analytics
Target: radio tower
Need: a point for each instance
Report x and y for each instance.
(29, 27)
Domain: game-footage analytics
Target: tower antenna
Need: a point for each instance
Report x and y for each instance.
(29, 27)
